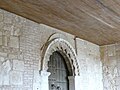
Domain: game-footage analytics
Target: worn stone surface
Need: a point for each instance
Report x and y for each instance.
(110, 58)
(14, 42)
(5, 67)
(90, 66)
(18, 65)
(16, 78)
(3, 54)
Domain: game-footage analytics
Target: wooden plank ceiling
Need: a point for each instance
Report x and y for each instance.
(97, 21)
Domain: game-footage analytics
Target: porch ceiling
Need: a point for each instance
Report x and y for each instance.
(97, 21)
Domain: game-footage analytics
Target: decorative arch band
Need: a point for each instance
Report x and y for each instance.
(64, 47)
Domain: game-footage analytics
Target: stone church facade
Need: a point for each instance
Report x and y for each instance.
(25, 48)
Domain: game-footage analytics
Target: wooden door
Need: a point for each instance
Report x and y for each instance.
(58, 80)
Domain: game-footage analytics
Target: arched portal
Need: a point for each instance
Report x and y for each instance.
(67, 51)
(58, 80)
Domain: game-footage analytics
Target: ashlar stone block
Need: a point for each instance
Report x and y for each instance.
(1, 38)
(12, 56)
(17, 31)
(8, 27)
(18, 65)
(5, 40)
(8, 17)
(16, 78)
(14, 42)
(1, 25)
(3, 54)
(111, 50)
(2, 59)
(1, 17)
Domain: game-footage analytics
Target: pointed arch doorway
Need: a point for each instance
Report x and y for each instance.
(58, 79)
(54, 76)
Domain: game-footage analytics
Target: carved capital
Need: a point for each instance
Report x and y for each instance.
(44, 73)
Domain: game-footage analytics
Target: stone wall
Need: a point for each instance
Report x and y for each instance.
(21, 41)
(90, 66)
(110, 56)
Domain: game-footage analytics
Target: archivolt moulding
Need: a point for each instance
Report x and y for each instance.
(64, 47)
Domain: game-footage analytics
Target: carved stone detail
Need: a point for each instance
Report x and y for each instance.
(64, 47)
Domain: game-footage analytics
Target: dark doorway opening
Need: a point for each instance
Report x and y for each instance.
(58, 80)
